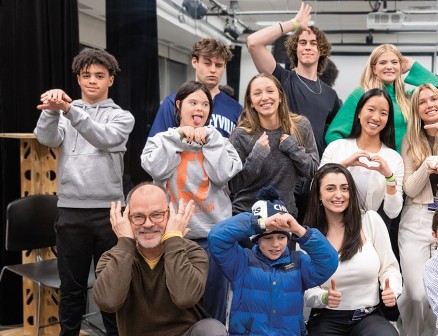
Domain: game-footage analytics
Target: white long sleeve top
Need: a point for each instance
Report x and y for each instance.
(341, 149)
(358, 278)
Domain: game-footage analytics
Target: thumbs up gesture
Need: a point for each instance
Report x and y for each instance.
(333, 296)
(388, 296)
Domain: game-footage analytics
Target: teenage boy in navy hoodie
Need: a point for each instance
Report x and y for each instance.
(91, 134)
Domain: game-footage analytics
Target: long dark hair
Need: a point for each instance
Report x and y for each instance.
(186, 89)
(315, 215)
(386, 135)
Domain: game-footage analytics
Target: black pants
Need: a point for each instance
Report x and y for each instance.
(216, 288)
(330, 322)
(81, 235)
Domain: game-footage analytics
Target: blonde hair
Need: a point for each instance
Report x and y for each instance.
(418, 146)
(249, 119)
(370, 81)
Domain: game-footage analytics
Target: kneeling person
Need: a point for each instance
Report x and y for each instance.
(153, 279)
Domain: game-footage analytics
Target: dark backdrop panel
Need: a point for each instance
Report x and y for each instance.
(38, 40)
(233, 71)
(131, 27)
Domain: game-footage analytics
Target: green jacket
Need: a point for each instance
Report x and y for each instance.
(341, 125)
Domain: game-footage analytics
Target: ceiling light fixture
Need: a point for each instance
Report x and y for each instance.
(233, 28)
(195, 8)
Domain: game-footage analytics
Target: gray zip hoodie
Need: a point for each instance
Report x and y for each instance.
(92, 141)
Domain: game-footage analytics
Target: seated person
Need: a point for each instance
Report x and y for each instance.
(430, 276)
(269, 281)
(154, 278)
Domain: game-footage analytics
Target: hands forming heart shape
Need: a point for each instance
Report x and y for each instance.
(368, 161)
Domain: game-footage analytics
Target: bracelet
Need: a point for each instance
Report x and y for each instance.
(324, 298)
(295, 23)
(390, 178)
(281, 27)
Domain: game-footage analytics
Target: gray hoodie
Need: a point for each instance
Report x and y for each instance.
(92, 141)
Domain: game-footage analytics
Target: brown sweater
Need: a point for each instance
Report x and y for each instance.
(163, 301)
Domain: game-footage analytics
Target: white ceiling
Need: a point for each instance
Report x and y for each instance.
(345, 22)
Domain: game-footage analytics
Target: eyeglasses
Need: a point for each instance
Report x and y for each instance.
(156, 217)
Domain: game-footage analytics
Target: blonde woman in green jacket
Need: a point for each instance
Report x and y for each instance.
(384, 71)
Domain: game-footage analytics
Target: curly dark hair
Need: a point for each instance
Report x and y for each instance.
(324, 47)
(89, 57)
(211, 48)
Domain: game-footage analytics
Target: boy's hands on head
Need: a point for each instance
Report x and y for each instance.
(284, 222)
(55, 100)
(178, 221)
(120, 222)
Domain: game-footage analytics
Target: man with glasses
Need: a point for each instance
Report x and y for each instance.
(154, 278)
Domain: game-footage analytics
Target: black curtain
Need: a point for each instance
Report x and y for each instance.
(38, 40)
(233, 70)
(131, 28)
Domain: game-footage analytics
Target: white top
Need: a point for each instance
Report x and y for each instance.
(341, 149)
(430, 279)
(356, 279)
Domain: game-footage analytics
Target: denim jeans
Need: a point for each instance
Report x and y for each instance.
(82, 235)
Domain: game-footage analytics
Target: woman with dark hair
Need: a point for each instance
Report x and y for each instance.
(275, 145)
(369, 154)
(348, 303)
(194, 161)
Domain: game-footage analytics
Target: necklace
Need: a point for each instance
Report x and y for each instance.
(318, 80)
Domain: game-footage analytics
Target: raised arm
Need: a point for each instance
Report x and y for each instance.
(263, 59)
(223, 241)
(161, 154)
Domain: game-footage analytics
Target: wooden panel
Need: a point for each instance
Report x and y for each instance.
(38, 176)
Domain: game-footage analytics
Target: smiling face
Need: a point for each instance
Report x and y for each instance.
(387, 67)
(374, 115)
(146, 201)
(265, 98)
(428, 106)
(273, 245)
(194, 109)
(334, 193)
(95, 82)
(307, 48)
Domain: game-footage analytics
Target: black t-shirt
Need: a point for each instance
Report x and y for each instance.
(313, 99)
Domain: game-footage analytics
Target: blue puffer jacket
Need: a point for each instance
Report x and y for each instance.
(267, 294)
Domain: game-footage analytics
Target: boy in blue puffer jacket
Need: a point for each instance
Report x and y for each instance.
(269, 281)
